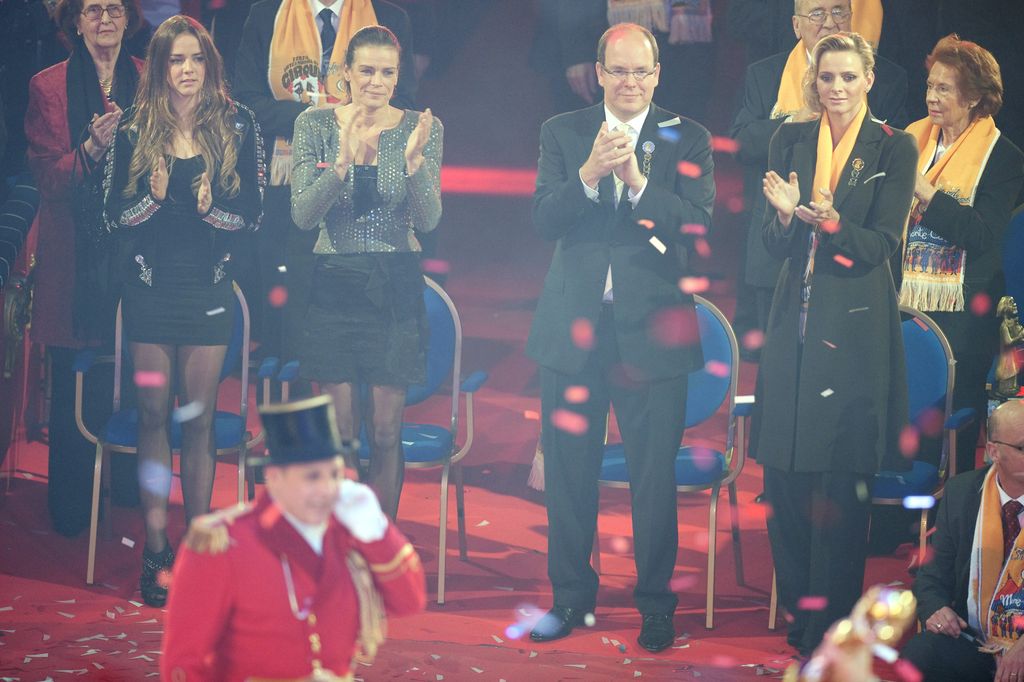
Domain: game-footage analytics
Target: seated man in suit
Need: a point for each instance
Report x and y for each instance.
(970, 596)
(772, 95)
(616, 182)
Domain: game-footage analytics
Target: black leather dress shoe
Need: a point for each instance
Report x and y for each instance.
(556, 624)
(657, 632)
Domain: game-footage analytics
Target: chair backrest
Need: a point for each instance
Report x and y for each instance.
(714, 383)
(1013, 259)
(444, 345)
(931, 369)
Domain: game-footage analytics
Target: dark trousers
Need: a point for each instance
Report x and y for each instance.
(651, 418)
(948, 659)
(818, 529)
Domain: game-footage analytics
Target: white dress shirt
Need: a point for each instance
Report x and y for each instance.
(314, 535)
(317, 6)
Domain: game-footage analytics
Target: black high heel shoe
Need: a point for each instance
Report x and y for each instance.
(156, 575)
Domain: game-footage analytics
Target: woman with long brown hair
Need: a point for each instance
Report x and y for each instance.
(184, 178)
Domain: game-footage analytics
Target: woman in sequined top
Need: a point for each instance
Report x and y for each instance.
(183, 181)
(368, 176)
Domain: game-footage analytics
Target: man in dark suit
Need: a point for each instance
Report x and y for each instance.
(947, 647)
(759, 117)
(616, 183)
(286, 252)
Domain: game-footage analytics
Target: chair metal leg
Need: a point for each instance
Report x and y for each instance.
(242, 468)
(709, 607)
(922, 538)
(97, 474)
(442, 543)
(737, 550)
(595, 554)
(460, 511)
(106, 493)
(773, 604)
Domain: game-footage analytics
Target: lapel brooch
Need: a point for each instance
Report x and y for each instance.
(648, 149)
(858, 166)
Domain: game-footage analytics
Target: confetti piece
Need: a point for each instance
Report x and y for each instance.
(829, 344)
(886, 653)
(625, 661)
(830, 226)
(66, 614)
(570, 422)
(531, 414)
(637, 673)
(735, 205)
(149, 379)
(910, 441)
(717, 368)
(65, 601)
(580, 666)
(644, 222)
(533, 654)
(722, 661)
(497, 639)
(435, 657)
(701, 246)
(582, 333)
(688, 169)
(725, 144)
(981, 304)
(619, 544)
(435, 266)
(577, 394)
(477, 670)
(658, 244)
(682, 582)
(918, 502)
(907, 671)
(127, 542)
(622, 649)
(111, 615)
(827, 392)
(694, 285)
(843, 260)
(669, 134)
(188, 412)
(219, 310)
(438, 677)
(589, 620)
(483, 523)
(863, 494)
(858, 310)
(277, 296)
(282, 268)
(810, 603)
(695, 229)
(753, 340)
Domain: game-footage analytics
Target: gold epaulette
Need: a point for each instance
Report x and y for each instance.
(208, 534)
(404, 560)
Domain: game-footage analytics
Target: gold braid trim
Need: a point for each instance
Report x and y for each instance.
(208, 534)
(399, 557)
(372, 618)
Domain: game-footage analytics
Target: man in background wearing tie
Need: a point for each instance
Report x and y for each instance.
(290, 58)
(971, 594)
(622, 187)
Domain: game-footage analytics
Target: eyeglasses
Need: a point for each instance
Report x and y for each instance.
(1018, 448)
(621, 74)
(95, 12)
(818, 16)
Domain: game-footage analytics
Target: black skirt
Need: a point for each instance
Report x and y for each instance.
(366, 322)
(179, 313)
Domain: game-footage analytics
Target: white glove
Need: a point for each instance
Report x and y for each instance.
(359, 511)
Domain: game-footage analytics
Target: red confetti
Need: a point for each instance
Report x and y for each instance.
(278, 296)
(682, 583)
(930, 421)
(700, 540)
(435, 266)
(717, 368)
(887, 129)
(269, 517)
(843, 260)
(830, 226)
(644, 222)
(674, 327)
(694, 228)
(532, 415)
(725, 144)
(722, 661)
(981, 304)
(701, 246)
(906, 670)
(688, 169)
(619, 544)
(582, 333)
(577, 394)
(910, 441)
(1018, 623)
(734, 204)
(810, 603)
(753, 340)
(694, 285)
(703, 458)
(150, 379)
(570, 422)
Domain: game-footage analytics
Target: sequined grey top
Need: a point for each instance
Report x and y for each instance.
(320, 199)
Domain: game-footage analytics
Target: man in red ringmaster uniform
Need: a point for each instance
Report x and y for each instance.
(295, 586)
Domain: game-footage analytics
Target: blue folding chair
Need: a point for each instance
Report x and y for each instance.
(120, 433)
(700, 468)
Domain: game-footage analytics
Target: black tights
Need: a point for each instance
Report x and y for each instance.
(197, 372)
(384, 429)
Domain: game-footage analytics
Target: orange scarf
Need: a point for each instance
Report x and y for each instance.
(830, 162)
(867, 19)
(791, 89)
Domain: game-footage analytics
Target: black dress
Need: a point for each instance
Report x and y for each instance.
(177, 285)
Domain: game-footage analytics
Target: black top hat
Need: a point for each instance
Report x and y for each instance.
(301, 431)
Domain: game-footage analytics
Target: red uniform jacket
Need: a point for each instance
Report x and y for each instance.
(230, 616)
(51, 160)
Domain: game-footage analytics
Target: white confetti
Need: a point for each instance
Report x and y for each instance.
(6, 608)
(918, 502)
(589, 620)
(282, 268)
(483, 523)
(435, 657)
(827, 392)
(533, 654)
(111, 615)
(658, 244)
(216, 311)
(858, 310)
(128, 542)
(504, 589)
(66, 614)
(581, 666)
(136, 604)
(637, 673)
(497, 639)
(65, 601)
(187, 413)
(477, 670)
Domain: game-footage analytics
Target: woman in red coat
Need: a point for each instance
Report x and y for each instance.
(72, 113)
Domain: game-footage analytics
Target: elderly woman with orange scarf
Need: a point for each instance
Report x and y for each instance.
(970, 177)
